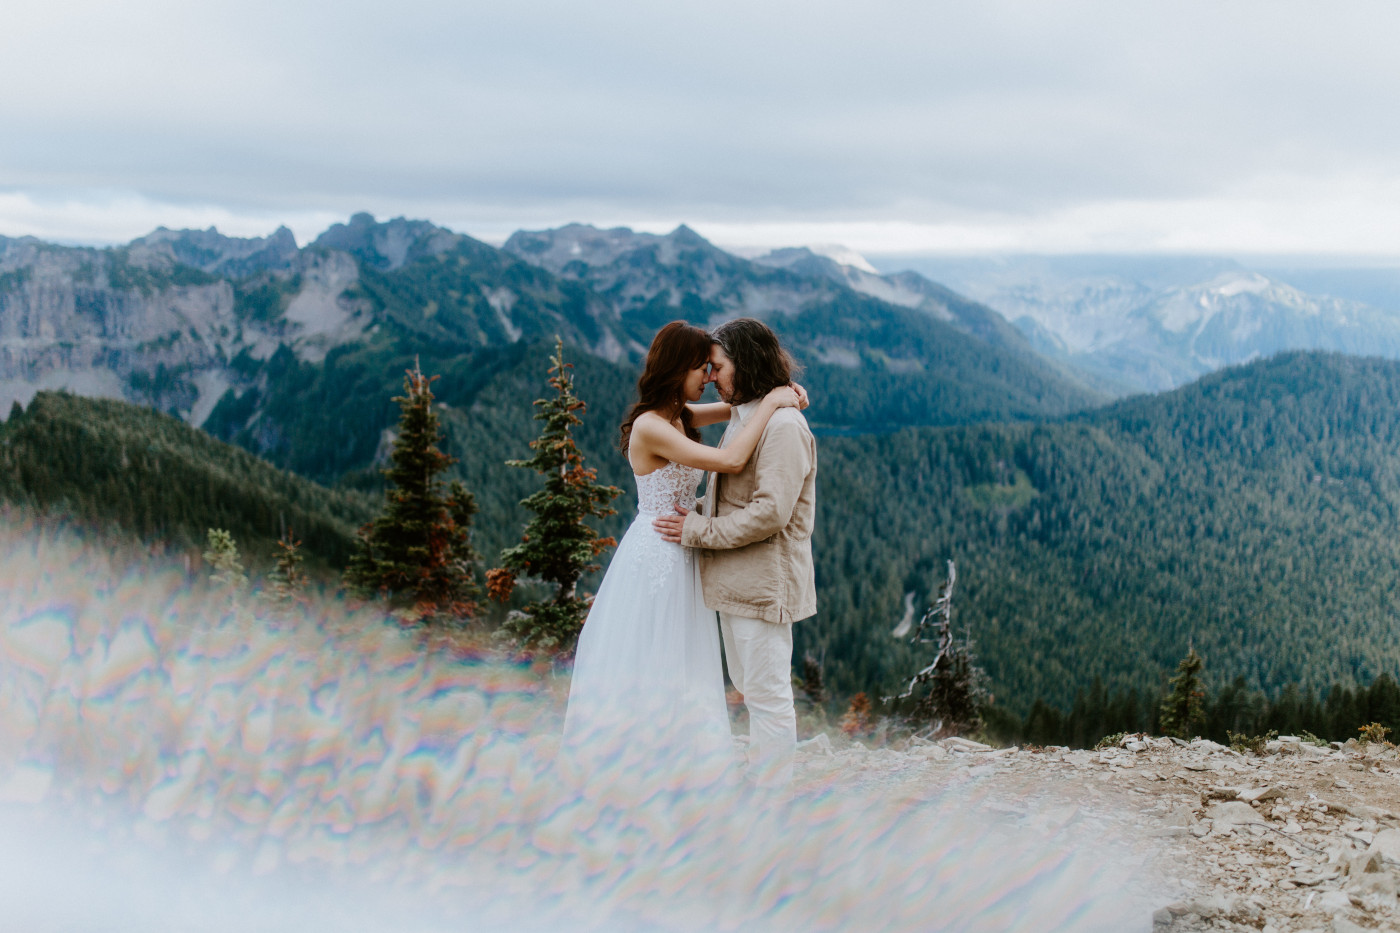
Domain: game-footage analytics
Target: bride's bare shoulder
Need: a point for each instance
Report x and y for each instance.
(652, 421)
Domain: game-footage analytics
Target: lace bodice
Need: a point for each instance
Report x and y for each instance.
(660, 491)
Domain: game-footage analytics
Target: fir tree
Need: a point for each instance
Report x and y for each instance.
(1183, 711)
(558, 545)
(418, 552)
(222, 555)
(287, 578)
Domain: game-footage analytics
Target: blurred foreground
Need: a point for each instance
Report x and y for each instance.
(173, 755)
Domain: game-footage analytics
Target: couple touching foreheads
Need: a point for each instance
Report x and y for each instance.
(648, 688)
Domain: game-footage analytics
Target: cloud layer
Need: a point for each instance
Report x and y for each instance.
(1075, 125)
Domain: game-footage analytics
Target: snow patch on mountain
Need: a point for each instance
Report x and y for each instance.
(1149, 324)
(1249, 283)
(844, 256)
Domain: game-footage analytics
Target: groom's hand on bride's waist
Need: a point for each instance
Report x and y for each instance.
(669, 526)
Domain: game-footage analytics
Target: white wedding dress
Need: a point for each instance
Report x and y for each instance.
(647, 695)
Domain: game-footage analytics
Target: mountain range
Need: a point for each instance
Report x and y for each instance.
(1148, 323)
(186, 320)
(1237, 511)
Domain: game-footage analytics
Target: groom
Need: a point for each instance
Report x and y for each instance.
(754, 532)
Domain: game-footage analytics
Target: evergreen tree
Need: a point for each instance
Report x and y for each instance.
(222, 555)
(287, 578)
(1183, 711)
(418, 552)
(558, 545)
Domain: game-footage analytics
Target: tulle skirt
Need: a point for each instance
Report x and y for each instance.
(646, 703)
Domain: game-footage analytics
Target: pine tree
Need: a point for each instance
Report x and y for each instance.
(222, 555)
(418, 552)
(558, 545)
(287, 578)
(1183, 711)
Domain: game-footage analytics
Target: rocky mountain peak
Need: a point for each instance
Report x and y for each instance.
(685, 236)
(801, 260)
(389, 245)
(558, 250)
(213, 252)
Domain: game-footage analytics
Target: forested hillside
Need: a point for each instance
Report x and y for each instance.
(1254, 514)
(120, 465)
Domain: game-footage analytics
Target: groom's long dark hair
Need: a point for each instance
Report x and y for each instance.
(760, 362)
(676, 350)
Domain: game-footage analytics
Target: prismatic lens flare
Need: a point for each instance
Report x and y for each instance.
(174, 756)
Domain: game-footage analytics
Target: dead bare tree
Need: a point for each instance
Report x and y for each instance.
(953, 684)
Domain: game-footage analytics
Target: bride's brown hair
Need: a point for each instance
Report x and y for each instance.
(676, 349)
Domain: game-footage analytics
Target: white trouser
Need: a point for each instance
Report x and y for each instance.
(759, 656)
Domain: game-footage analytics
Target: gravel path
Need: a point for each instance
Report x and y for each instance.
(1300, 838)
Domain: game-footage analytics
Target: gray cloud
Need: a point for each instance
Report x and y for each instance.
(773, 112)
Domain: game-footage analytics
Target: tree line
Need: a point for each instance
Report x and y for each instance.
(1225, 715)
(1252, 514)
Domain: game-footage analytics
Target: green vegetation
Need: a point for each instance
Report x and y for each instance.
(1232, 715)
(1110, 741)
(558, 546)
(263, 297)
(1373, 732)
(1252, 514)
(122, 274)
(288, 578)
(417, 552)
(1183, 710)
(111, 463)
(1253, 744)
(225, 566)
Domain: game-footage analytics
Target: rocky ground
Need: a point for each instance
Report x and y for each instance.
(1300, 837)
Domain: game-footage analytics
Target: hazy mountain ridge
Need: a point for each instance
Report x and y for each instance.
(640, 269)
(906, 289)
(938, 353)
(645, 273)
(1149, 323)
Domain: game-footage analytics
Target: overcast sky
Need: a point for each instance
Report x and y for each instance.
(1118, 126)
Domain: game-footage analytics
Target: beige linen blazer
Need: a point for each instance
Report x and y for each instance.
(754, 528)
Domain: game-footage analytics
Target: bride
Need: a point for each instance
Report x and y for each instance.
(647, 695)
